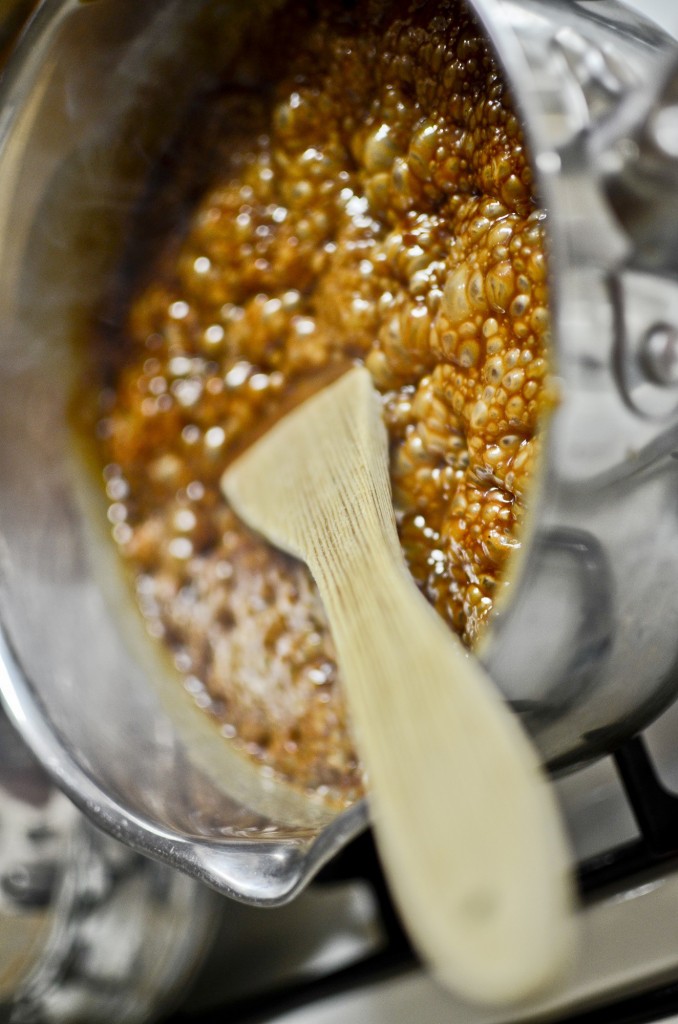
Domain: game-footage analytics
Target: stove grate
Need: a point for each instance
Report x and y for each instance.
(655, 809)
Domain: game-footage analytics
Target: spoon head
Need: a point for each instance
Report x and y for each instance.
(322, 464)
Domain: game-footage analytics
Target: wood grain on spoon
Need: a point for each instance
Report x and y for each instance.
(466, 822)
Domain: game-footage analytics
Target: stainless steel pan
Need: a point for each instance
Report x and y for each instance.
(586, 646)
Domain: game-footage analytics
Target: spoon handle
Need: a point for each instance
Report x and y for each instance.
(466, 823)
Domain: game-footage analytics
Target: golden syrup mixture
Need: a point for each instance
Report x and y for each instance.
(370, 199)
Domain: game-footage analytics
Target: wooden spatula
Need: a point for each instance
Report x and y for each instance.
(466, 823)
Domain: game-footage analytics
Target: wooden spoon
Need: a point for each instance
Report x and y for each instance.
(466, 823)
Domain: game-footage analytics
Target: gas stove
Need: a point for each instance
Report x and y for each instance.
(99, 933)
(342, 954)
(129, 937)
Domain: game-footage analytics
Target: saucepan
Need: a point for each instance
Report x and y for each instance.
(584, 646)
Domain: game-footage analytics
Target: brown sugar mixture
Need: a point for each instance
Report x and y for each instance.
(369, 199)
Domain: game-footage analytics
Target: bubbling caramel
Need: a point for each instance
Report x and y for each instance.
(371, 199)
